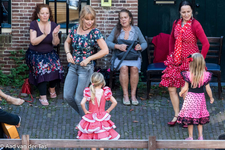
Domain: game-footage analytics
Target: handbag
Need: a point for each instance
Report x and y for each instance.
(132, 55)
(26, 90)
(131, 46)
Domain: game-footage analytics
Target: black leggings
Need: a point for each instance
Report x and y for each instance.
(42, 87)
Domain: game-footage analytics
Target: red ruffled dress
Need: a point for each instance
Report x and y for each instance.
(97, 125)
(194, 110)
(172, 74)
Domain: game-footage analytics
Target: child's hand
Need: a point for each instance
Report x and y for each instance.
(108, 111)
(180, 94)
(87, 112)
(211, 100)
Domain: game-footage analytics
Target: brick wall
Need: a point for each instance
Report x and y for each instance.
(22, 11)
(107, 18)
(19, 39)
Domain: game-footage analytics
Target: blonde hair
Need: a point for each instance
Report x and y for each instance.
(96, 80)
(197, 68)
(86, 12)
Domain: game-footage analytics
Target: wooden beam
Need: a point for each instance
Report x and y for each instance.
(196, 144)
(25, 142)
(71, 143)
(152, 143)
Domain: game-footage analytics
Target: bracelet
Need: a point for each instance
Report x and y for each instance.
(67, 53)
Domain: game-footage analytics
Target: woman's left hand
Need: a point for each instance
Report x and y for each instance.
(138, 47)
(56, 30)
(85, 62)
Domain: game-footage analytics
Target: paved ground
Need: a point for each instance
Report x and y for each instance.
(150, 118)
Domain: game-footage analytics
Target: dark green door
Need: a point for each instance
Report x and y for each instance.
(210, 13)
(154, 19)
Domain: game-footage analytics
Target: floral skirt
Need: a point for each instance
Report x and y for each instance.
(172, 74)
(194, 110)
(43, 66)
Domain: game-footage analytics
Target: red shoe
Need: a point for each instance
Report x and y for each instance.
(172, 123)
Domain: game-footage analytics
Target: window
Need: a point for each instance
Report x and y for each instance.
(5, 12)
(61, 10)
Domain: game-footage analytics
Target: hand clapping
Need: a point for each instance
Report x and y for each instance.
(56, 30)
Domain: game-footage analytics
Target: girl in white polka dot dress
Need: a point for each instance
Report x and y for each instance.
(194, 111)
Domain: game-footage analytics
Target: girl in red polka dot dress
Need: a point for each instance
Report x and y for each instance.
(96, 123)
(194, 111)
(185, 33)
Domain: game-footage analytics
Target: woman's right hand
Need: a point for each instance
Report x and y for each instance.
(70, 58)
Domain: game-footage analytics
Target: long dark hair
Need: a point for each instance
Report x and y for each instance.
(119, 26)
(184, 3)
(37, 10)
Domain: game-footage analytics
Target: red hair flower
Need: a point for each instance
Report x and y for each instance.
(190, 59)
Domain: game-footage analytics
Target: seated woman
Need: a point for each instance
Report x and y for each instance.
(126, 30)
(42, 60)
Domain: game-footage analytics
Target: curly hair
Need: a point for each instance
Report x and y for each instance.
(37, 10)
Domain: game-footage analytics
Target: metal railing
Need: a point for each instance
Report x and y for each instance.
(151, 144)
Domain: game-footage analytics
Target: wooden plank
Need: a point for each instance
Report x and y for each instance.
(152, 143)
(67, 143)
(206, 144)
(72, 143)
(211, 45)
(212, 39)
(10, 142)
(25, 142)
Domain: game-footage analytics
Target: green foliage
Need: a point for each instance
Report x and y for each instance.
(141, 85)
(3, 102)
(17, 74)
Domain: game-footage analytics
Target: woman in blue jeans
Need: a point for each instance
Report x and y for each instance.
(83, 37)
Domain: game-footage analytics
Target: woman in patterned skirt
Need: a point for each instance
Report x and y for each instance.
(42, 60)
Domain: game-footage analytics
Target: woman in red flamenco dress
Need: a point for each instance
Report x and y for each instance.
(185, 33)
(96, 123)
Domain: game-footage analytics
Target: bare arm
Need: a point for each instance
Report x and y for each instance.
(55, 40)
(113, 105)
(209, 92)
(67, 50)
(34, 40)
(104, 51)
(82, 103)
(184, 89)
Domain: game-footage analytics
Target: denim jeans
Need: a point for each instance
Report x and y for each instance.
(77, 79)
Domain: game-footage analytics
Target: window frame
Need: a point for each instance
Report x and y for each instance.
(6, 27)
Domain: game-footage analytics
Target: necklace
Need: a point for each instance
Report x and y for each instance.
(85, 30)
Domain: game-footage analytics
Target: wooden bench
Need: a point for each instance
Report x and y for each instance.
(213, 58)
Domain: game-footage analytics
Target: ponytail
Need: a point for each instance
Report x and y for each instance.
(92, 89)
